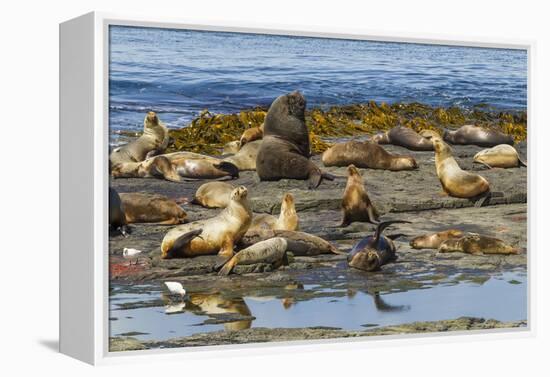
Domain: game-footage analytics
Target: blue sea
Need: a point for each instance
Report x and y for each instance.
(179, 73)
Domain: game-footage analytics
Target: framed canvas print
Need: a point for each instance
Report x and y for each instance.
(241, 187)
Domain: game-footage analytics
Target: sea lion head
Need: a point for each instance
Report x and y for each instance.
(366, 259)
(151, 119)
(287, 205)
(161, 166)
(296, 104)
(405, 162)
(239, 194)
(441, 148)
(381, 138)
(353, 172)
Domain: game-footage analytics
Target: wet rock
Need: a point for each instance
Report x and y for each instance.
(118, 344)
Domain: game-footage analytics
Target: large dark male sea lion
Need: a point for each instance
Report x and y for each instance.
(356, 204)
(142, 207)
(217, 234)
(285, 152)
(483, 137)
(366, 155)
(404, 137)
(117, 217)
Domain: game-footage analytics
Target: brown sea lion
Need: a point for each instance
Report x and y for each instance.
(271, 251)
(117, 217)
(155, 167)
(299, 243)
(356, 204)
(245, 158)
(218, 235)
(479, 136)
(141, 207)
(251, 134)
(287, 220)
(473, 243)
(434, 240)
(154, 138)
(455, 181)
(404, 137)
(501, 156)
(285, 152)
(366, 155)
(374, 251)
(213, 195)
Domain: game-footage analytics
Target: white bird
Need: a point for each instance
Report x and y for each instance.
(175, 288)
(129, 253)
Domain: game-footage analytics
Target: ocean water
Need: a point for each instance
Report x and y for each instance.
(179, 73)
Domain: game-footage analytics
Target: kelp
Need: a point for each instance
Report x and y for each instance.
(209, 132)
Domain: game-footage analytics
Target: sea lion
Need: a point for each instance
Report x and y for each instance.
(140, 207)
(434, 240)
(374, 251)
(285, 152)
(299, 243)
(216, 304)
(218, 235)
(366, 155)
(500, 156)
(205, 169)
(271, 251)
(404, 137)
(482, 137)
(473, 243)
(117, 218)
(154, 138)
(232, 147)
(455, 181)
(251, 134)
(428, 134)
(213, 195)
(155, 167)
(245, 158)
(287, 220)
(356, 204)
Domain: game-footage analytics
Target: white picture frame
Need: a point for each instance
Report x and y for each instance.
(84, 123)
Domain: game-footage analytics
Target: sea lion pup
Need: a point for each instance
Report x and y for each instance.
(232, 147)
(218, 234)
(299, 243)
(141, 207)
(205, 169)
(356, 205)
(482, 137)
(271, 251)
(284, 152)
(251, 134)
(154, 138)
(117, 217)
(434, 240)
(287, 220)
(155, 167)
(473, 243)
(404, 137)
(501, 156)
(213, 195)
(455, 181)
(366, 155)
(374, 251)
(245, 158)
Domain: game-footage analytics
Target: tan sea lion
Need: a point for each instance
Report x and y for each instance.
(155, 167)
(245, 158)
(141, 207)
(216, 303)
(374, 251)
(455, 181)
(117, 217)
(356, 204)
(404, 137)
(218, 235)
(473, 243)
(251, 134)
(299, 243)
(366, 155)
(205, 169)
(154, 138)
(287, 220)
(501, 156)
(285, 152)
(213, 195)
(271, 251)
(479, 136)
(232, 147)
(434, 240)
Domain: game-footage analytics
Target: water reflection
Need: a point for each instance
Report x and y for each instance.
(216, 303)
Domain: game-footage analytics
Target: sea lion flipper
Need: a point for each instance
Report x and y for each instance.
(226, 166)
(314, 179)
(395, 236)
(521, 162)
(383, 225)
(182, 241)
(228, 267)
(483, 200)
